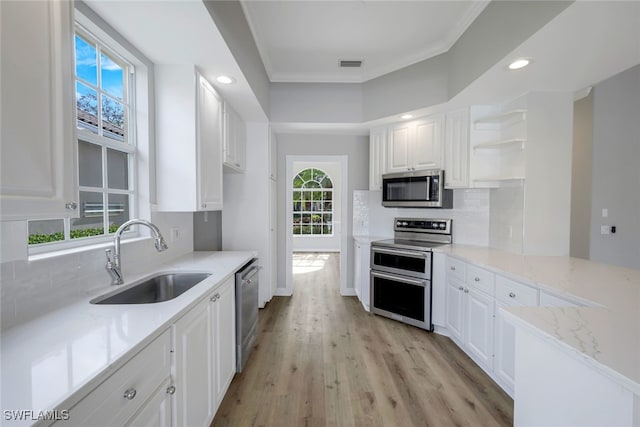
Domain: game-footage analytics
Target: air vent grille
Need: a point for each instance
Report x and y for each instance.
(350, 63)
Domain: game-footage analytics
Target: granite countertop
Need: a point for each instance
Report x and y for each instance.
(54, 360)
(605, 333)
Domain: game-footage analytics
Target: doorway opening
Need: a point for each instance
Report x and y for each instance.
(316, 217)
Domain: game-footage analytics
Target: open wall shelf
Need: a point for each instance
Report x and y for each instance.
(502, 120)
(505, 143)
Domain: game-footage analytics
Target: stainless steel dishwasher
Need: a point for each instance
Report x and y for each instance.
(247, 282)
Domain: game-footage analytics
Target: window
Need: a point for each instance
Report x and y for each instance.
(312, 203)
(106, 146)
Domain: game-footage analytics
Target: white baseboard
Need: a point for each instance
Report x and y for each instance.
(350, 292)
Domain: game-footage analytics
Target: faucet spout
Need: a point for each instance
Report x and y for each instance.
(113, 261)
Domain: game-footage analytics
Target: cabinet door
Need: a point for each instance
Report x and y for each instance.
(377, 158)
(273, 242)
(235, 136)
(156, 412)
(456, 149)
(479, 326)
(505, 348)
(426, 152)
(193, 367)
(224, 338)
(455, 308)
(398, 148)
(365, 279)
(209, 142)
(38, 151)
(357, 270)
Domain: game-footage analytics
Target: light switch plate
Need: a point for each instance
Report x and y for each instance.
(604, 229)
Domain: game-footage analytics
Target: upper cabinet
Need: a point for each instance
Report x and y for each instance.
(415, 145)
(377, 157)
(235, 140)
(456, 149)
(189, 136)
(38, 150)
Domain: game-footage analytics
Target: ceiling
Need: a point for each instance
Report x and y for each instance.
(303, 41)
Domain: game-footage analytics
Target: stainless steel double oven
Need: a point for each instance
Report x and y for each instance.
(401, 270)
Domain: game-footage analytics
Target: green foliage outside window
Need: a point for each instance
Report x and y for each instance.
(312, 203)
(35, 239)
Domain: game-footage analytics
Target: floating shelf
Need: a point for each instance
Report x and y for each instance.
(516, 142)
(498, 121)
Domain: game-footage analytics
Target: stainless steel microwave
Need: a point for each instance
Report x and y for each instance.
(416, 189)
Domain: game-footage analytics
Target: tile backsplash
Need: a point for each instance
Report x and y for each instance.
(30, 288)
(470, 215)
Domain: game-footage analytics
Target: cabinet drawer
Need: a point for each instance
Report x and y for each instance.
(480, 279)
(107, 404)
(514, 293)
(455, 268)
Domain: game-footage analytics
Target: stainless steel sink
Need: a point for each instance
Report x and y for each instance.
(162, 287)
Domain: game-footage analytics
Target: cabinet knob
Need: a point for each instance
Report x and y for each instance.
(453, 268)
(130, 394)
(461, 288)
(213, 298)
(71, 206)
(512, 295)
(466, 291)
(477, 279)
(204, 205)
(171, 389)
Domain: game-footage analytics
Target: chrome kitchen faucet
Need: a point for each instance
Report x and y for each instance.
(113, 262)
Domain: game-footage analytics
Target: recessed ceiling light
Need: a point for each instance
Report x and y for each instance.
(406, 116)
(225, 80)
(520, 63)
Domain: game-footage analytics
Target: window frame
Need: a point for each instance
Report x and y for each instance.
(89, 31)
(301, 212)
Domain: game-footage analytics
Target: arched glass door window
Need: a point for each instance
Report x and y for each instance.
(312, 203)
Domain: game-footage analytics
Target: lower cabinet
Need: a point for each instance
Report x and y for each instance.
(157, 411)
(361, 278)
(138, 387)
(204, 343)
(505, 348)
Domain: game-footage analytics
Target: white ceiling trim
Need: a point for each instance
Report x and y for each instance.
(430, 51)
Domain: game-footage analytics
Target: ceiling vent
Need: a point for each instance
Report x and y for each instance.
(350, 64)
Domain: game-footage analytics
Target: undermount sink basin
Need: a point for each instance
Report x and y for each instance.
(163, 287)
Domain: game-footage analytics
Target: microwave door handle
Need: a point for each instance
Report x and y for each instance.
(428, 188)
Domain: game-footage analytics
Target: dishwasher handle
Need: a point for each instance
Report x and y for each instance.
(249, 273)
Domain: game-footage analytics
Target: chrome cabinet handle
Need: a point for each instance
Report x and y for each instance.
(215, 297)
(71, 206)
(453, 268)
(477, 279)
(461, 288)
(512, 295)
(466, 291)
(130, 394)
(171, 389)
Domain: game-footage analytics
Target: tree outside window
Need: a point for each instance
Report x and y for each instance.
(312, 203)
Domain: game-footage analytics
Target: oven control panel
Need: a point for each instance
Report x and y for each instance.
(423, 225)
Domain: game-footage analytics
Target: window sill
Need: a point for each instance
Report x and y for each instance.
(85, 248)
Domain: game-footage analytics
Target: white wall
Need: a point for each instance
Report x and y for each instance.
(616, 174)
(322, 243)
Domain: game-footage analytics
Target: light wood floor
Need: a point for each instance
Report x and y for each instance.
(321, 359)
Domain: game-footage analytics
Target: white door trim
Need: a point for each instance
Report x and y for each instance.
(345, 225)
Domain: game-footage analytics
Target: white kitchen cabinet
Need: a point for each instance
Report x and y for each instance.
(415, 145)
(134, 388)
(157, 411)
(38, 150)
(456, 149)
(361, 278)
(204, 345)
(478, 329)
(223, 318)
(273, 155)
(377, 158)
(505, 348)
(189, 141)
(235, 140)
(193, 367)
(455, 309)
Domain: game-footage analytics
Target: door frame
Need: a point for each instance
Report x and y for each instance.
(344, 223)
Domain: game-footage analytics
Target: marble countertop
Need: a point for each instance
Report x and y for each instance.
(605, 333)
(54, 360)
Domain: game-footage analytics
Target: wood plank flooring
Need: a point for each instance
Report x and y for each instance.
(322, 360)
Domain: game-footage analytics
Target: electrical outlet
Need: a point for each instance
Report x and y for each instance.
(175, 233)
(604, 229)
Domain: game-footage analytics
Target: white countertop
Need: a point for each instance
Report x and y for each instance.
(368, 239)
(52, 361)
(605, 334)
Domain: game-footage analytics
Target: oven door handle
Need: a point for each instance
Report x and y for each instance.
(422, 283)
(412, 254)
